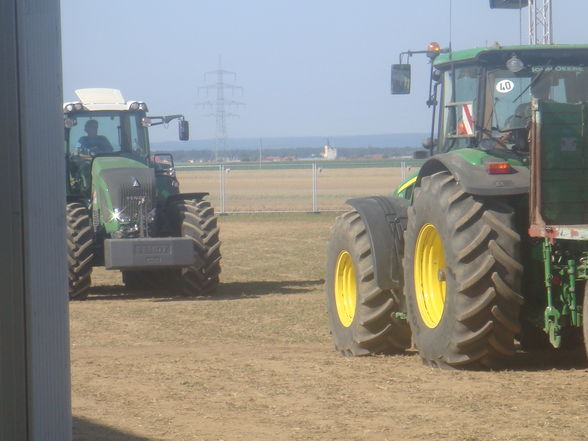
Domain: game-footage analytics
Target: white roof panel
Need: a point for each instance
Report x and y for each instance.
(102, 99)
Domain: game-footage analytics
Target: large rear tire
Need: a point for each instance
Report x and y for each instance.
(361, 315)
(80, 250)
(462, 274)
(196, 219)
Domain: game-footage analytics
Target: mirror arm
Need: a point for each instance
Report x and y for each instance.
(433, 102)
(164, 119)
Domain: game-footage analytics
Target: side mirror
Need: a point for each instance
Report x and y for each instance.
(400, 79)
(184, 127)
(429, 143)
(163, 163)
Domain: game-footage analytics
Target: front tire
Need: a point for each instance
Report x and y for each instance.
(462, 273)
(196, 219)
(361, 315)
(80, 250)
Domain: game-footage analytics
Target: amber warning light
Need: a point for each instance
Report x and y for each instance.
(433, 49)
(498, 168)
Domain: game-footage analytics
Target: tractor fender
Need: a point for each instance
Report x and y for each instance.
(184, 197)
(474, 179)
(385, 220)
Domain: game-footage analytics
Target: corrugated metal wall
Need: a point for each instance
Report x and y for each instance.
(35, 401)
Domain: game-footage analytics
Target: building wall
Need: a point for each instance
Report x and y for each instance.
(35, 401)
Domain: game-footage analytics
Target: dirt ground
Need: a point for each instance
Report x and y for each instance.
(256, 362)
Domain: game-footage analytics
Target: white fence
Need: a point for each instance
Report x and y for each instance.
(292, 187)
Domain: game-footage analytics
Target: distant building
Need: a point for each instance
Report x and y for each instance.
(329, 152)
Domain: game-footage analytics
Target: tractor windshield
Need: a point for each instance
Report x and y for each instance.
(512, 92)
(103, 133)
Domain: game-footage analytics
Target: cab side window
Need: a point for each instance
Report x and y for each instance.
(458, 107)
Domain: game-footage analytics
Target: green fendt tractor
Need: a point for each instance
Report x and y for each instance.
(124, 207)
(485, 248)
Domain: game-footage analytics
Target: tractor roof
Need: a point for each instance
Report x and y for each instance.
(102, 99)
(499, 52)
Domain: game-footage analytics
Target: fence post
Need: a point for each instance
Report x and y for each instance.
(221, 192)
(314, 195)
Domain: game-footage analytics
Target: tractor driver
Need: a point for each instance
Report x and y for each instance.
(93, 144)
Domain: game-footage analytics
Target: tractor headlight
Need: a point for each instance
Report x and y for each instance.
(138, 105)
(514, 64)
(70, 107)
(118, 215)
(151, 216)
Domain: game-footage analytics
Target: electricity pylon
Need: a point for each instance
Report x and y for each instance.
(540, 18)
(221, 105)
(540, 22)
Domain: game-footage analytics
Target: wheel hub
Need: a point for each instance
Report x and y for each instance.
(430, 275)
(345, 288)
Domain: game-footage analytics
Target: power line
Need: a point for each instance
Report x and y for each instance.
(221, 105)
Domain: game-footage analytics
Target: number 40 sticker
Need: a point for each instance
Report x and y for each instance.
(504, 86)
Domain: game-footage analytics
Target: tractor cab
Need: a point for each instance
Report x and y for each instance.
(484, 95)
(101, 127)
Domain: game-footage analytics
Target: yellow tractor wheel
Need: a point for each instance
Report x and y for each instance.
(462, 275)
(362, 316)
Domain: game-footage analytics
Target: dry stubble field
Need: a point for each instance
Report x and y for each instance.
(283, 189)
(256, 362)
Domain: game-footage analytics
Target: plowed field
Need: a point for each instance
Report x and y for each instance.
(255, 362)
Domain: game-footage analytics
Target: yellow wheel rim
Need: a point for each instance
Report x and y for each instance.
(345, 288)
(429, 275)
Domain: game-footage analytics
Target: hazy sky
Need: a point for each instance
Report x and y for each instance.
(307, 67)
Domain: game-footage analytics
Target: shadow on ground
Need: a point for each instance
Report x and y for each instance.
(536, 361)
(225, 291)
(238, 290)
(550, 359)
(86, 430)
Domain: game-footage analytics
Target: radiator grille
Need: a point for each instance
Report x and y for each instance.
(131, 190)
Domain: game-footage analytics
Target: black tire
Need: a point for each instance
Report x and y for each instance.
(367, 325)
(479, 315)
(80, 250)
(196, 219)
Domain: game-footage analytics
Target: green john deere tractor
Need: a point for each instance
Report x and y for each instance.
(124, 208)
(484, 250)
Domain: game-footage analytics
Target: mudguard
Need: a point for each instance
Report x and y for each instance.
(474, 179)
(385, 219)
(184, 196)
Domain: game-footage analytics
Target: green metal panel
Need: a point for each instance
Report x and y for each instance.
(476, 53)
(564, 164)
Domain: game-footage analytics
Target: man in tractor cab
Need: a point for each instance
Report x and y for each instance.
(86, 148)
(93, 144)
(515, 134)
